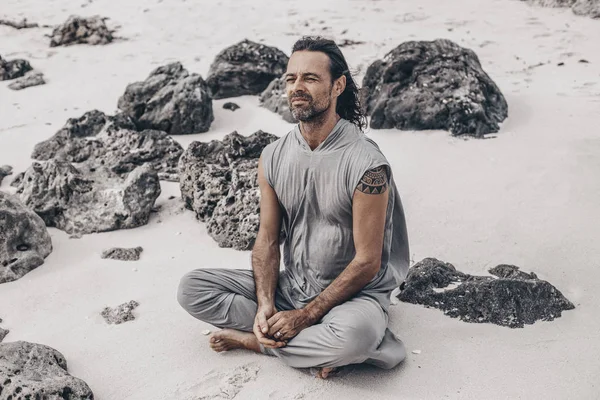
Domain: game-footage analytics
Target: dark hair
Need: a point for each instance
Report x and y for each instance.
(348, 103)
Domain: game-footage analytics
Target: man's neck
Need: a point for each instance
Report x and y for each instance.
(316, 131)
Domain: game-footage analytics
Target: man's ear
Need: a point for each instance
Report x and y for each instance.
(340, 85)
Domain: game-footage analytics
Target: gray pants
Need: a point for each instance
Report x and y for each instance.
(351, 333)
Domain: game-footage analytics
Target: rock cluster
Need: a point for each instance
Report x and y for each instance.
(510, 298)
(5, 171)
(171, 100)
(432, 85)
(119, 314)
(245, 68)
(67, 199)
(122, 254)
(13, 69)
(24, 239)
(96, 140)
(34, 371)
(218, 181)
(80, 30)
(274, 98)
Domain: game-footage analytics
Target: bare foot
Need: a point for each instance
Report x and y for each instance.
(229, 339)
(325, 372)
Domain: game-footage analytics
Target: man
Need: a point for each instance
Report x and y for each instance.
(331, 190)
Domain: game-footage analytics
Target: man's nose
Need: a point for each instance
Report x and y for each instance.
(297, 86)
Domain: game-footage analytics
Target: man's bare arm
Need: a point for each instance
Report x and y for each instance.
(369, 209)
(265, 253)
(265, 260)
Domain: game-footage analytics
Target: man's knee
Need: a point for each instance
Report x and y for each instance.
(190, 289)
(357, 339)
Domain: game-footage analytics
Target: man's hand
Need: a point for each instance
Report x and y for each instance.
(261, 327)
(286, 324)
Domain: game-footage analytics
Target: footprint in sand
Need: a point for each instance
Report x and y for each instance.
(224, 385)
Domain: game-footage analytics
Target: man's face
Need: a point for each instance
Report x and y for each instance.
(308, 85)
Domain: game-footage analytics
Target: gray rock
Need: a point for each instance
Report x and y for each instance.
(218, 181)
(5, 171)
(76, 203)
(80, 30)
(24, 239)
(245, 68)
(589, 8)
(432, 85)
(34, 371)
(274, 98)
(171, 100)
(512, 298)
(230, 106)
(13, 69)
(119, 314)
(96, 141)
(123, 254)
(30, 79)
(3, 333)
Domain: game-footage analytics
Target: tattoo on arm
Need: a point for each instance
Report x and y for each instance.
(374, 181)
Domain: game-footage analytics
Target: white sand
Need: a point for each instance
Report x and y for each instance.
(530, 197)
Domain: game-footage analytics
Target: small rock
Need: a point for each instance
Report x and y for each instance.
(584, 61)
(230, 106)
(206, 332)
(121, 313)
(3, 333)
(560, 64)
(5, 171)
(416, 351)
(123, 254)
(30, 79)
(349, 42)
(76, 236)
(13, 69)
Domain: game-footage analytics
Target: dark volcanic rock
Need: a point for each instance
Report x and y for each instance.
(24, 239)
(3, 333)
(77, 203)
(432, 85)
(230, 106)
(171, 100)
(275, 98)
(512, 299)
(13, 69)
(122, 254)
(5, 171)
(119, 314)
(100, 141)
(245, 68)
(218, 181)
(79, 30)
(30, 79)
(34, 371)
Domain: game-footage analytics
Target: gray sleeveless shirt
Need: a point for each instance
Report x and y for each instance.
(315, 189)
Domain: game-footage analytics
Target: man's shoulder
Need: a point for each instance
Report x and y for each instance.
(277, 144)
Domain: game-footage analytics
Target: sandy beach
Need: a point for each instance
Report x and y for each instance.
(529, 195)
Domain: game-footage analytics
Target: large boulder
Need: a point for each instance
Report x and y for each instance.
(432, 85)
(80, 30)
(24, 239)
(274, 98)
(34, 371)
(171, 100)
(509, 298)
(218, 181)
(13, 69)
(245, 68)
(78, 203)
(96, 140)
(590, 8)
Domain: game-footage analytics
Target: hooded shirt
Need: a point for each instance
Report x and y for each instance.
(315, 190)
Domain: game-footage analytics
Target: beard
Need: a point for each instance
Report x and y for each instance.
(308, 111)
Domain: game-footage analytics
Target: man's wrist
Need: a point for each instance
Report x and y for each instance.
(311, 314)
